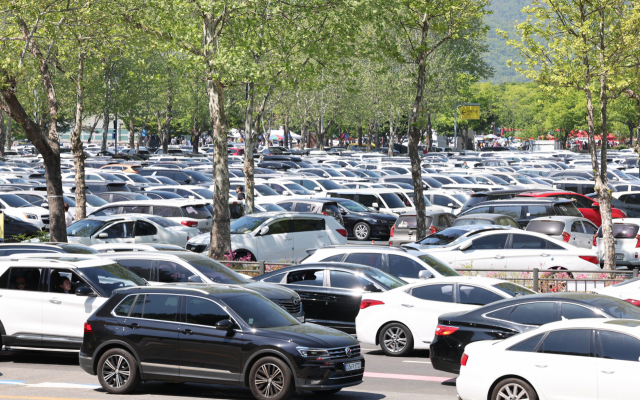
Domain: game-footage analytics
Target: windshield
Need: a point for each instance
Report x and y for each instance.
(523, 179)
(392, 200)
(215, 271)
(14, 201)
(95, 201)
(387, 280)
(110, 177)
(265, 190)
(16, 180)
(460, 197)
(138, 178)
(438, 266)
(333, 173)
(512, 289)
(297, 189)
(443, 237)
(496, 180)
(370, 174)
(205, 193)
(164, 222)
(459, 179)
(84, 228)
(107, 278)
(198, 177)
(328, 185)
(353, 206)
(258, 312)
(247, 224)
(77, 248)
(347, 173)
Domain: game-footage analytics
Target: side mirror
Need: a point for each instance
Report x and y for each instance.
(264, 230)
(425, 274)
(317, 189)
(371, 288)
(224, 325)
(103, 235)
(188, 180)
(194, 278)
(343, 212)
(86, 292)
(465, 245)
(450, 205)
(375, 205)
(287, 193)
(595, 205)
(44, 205)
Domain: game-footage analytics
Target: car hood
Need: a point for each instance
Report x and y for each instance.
(311, 335)
(205, 238)
(272, 291)
(31, 210)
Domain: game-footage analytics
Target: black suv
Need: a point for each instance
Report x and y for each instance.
(214, 334)
(524, 210)
(315, 206)
(481, 197)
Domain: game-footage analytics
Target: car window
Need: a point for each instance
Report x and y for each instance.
(204, 312)
(286, 206)
(369, 259)
(533, 313)
(303, 207)
(307, 277)
(510, 211)
(476, 295)
(589, 228)
(442, 293)
(618, 346)
(336, 258)
(107, 211)
(574, 311)
(527, 242)
(122, 310)
(167, 212)
(136, 210)
(142, 268)
(162, 307)
(279, 227)
(479, 210)
(119, 230)
(23, 279)
(347, 280)
(368, 200)
(440, 200)
(528, 345)
(539, 211)
(144, 228)
(490, 242)
(308, 225)
(567, 342)
(404, 267)
(576, 226)
(169, 272)
(274, 279)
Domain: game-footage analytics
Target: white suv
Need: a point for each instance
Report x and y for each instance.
(39, 309)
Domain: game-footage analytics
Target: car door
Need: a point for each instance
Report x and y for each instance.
(617, 365)
(590, 229)
(529, 251)
(308, 233)
(277, 244)
(120, 232)
(486, 252)
(146, 232)
(420, 308)
(344, 294)
(309, 284)
(205, 352)
(22, 293)
(63, 314)
(579, 237)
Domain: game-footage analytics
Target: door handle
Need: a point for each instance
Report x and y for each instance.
(134, 326)
(188, 332)
(154, 239)
(544, 255)
(320, 235)
(410, 232)
(608, 372)
(407, 305)
(499, 256)
(55, 301)
(288, 239)
(541, 365)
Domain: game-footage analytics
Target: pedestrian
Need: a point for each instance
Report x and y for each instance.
(68, 218)
(240, 194)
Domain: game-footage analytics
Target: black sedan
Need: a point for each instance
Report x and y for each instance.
(16, 230)
(506, 318)
(362, 223)
(331, 292)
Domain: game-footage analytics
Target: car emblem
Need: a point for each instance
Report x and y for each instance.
(295, 301)
(348, 351)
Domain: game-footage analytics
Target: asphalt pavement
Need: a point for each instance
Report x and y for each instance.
(35, 375)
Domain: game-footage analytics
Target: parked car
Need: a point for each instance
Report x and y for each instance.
(453, 234)
(405, 228)
(626, 202)
(627, 242)
(182, 177)
(582, 359)
(331, 292)
(43, 248)
(627, 290)
(524, 210)
(35, 311)
(257, 344)
(20, 209)
(404, 319)
(506, 318)
(132, 168)
(486, 219)
(127, 247)
(576, 231)
(314, 206)
(385, 201)
(481, 197)
(362, 223)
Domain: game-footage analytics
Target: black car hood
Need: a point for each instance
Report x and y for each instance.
(272, 291)
(451, 316)
(372, 215)
(311, 335)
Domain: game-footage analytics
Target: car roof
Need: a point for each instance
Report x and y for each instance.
(564, 218)
(482, 216)
(54, 259)
(158, 202)
(337, 265)
(525, 200)
(629, 325)
(314, 200)
(201, 288)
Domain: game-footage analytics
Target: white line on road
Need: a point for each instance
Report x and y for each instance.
(419, 362)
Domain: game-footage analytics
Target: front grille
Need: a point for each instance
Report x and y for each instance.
(290, 306)
(341, 352)
(45, 219)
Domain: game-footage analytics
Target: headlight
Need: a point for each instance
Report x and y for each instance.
(30, 216)
(313, 353)
(375, 221)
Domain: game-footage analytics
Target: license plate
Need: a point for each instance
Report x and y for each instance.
(301, 319)
(353, 366)
(619, 256)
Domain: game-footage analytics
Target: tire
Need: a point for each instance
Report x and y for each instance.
(243, 253)
(271, 379)
(126, 378)
(326, 392)
(362, 231)
(512, 388)
(396, 340)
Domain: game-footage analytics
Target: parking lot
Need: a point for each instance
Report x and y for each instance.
(56, 376)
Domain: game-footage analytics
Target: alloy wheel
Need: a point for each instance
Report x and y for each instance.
(269, 380)
(361, 231)
(513, 391)
(116, 371)
(395, 339)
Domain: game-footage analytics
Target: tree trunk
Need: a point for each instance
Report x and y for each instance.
(369, 132)
(429, 136)
(93, 128)
(132, 136)
(359, 134)
(107, 100)
(287, 134)
(9, 132)
(250, 139)
(390, 144)
(76, 143)
(165, 135)
(3, 134)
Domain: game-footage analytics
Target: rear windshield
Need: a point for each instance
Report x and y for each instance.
(236, 210)
(164, 222)
(443, 237)
(622, 231)
(439, 266)
(569, 210)
(472, 221)
(410, 222)
(513, 290)
(617, 308)
(547, 227)
(197, 212)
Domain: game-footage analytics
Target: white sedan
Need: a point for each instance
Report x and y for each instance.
(627, 290)
(516, 250)
(585, 359)
(406, 318)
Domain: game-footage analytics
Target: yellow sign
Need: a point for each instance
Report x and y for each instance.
(470, 112)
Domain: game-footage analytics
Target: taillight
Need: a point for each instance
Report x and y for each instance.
(464, 359)
(190, 224)
(442, 330)
(632, 301)
(595, 243)
(368, 303)
(566, 237)
(393, 229)
(433, 229)
(591, 259)
(638, 241)
(87, 328)
(324, 213)
(343, 232)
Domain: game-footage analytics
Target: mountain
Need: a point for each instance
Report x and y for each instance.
(505, 14)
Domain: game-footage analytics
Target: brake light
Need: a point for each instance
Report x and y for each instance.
(87, 328)
(368, 303)
(433, 229)
(464, 359)
(638, 241)
(324, 213)
(591, 259)
(595, 243)
(632, 301)
(393, 229)
(442, 330)
(343, 232)
(190, 224)
(566, 237)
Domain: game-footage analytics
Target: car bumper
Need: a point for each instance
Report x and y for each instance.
(86, 363)
(445, 356)
(380, 230)
(196, 248)
(334, 376)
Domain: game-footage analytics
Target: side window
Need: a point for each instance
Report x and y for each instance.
(107, 211)
(274, 279)
(119, 230)
(574, 311)
(167, 212)
(162, 307)
(336, 258)
(368, 200)
(345, 196)
(144, 228)
(442, 293)
(491, 242)
(303, 207)
(479, 210)
(136, 210)
(4, 279)
(539, 211)
(369, 259)
(510, 211)
(553, 246)
(122, 310)
(142, 268)
(571, 187)
(567, 342)
(577, 227)
(618, 346)
(476, 295)
(441, 200)
(308, 225)
(589, 228)
(279, 227)
(65, 281)
(278, 188)
(404, 267)
(169, 272)
(307, 277)
(527, 242)
(528, 345)
(311, 185)
(533, 313)
(346, 280)
(204, 312)
(24, 279)
(286, 206)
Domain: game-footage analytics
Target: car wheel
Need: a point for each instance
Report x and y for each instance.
(396, 340)
(362, 231)
(241, 254)
(513, 388)
(326, 392)
(270, 378)
(118, 372)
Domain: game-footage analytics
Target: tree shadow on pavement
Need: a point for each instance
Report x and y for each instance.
(38, 357)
